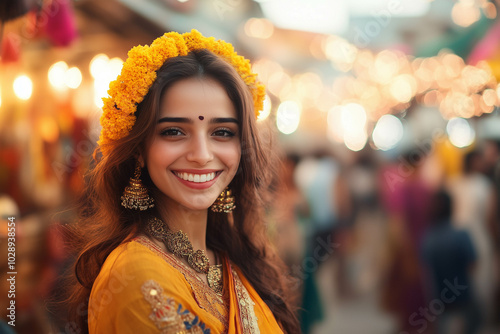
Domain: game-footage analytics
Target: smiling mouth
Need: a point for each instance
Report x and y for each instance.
(197, 178)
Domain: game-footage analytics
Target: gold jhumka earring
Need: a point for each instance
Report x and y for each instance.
(225, 202)
(136, 195)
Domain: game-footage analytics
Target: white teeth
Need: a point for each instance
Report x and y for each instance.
(198, 178)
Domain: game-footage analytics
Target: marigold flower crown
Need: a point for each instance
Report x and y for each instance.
(139, 73)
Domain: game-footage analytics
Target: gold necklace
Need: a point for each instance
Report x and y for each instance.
(178, 243)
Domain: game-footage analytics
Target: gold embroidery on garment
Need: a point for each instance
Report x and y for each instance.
(214, 278)
(205, 297)
(164, 310)
(246, 304)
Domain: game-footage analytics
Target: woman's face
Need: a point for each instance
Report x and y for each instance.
(195, 151)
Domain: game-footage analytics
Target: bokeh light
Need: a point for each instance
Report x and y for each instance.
(353, 117)
(388, 132)
(335, 131)
(259, 28)
(266, 110)
(288, 117)
(465, 13)
(98, 65)
(355, 141)
(57, 74)
(403, 88)
(104, 70)
(114, 68)
(73, 78)
(23, 87)
(279, 83)
(460, 133)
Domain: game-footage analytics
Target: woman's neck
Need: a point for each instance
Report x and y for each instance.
(192, 222)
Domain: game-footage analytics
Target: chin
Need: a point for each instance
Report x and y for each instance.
(197, 205)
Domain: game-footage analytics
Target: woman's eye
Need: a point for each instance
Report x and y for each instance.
(224, 133)
(171, 132)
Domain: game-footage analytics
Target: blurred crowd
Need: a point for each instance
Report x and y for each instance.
(416, 232)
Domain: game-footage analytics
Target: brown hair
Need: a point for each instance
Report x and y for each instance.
(104, 223)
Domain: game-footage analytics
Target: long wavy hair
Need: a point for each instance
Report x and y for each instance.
(104, 223)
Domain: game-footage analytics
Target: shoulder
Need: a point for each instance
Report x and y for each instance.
(135, 290)
(132, 263)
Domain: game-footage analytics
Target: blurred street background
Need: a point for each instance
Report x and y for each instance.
(386, 113)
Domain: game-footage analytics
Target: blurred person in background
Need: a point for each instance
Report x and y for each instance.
(323, 182)
(406, 199)
(288, 209)
(176, 251)
(367, 224)
(288, 217)
(449, 255)
(319, 178)
(492, 170)
(474, 211)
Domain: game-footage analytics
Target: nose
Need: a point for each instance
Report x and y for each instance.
(199, 150)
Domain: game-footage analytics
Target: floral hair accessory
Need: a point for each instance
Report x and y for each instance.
(139, 72)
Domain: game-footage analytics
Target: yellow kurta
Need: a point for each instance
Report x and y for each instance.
(141, 289)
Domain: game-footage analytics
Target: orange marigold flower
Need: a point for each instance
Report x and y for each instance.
(139, 73)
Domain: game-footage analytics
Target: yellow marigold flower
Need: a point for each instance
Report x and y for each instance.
(139, 73)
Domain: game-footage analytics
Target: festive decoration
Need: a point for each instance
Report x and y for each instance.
(11, 50)
(61, 27)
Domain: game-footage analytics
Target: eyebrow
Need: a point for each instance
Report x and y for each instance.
(175, 120)
(188, 120)
(223, 120)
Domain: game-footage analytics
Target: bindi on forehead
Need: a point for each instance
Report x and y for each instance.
(201, 118)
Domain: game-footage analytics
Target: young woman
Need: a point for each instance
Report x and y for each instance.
(172, 237)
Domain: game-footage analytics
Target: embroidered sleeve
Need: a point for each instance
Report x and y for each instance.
(167, 315)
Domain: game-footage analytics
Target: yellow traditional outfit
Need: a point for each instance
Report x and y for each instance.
(142, 289)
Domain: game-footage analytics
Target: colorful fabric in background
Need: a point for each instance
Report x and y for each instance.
(311, 310)
(60, 26)
(11, 48)
(488, 49)
(459, 41)
(142, 289)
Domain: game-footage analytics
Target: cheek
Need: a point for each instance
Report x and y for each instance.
(231, 156)
(160, 155)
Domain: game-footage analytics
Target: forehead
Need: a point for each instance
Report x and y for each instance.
(194, 97)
